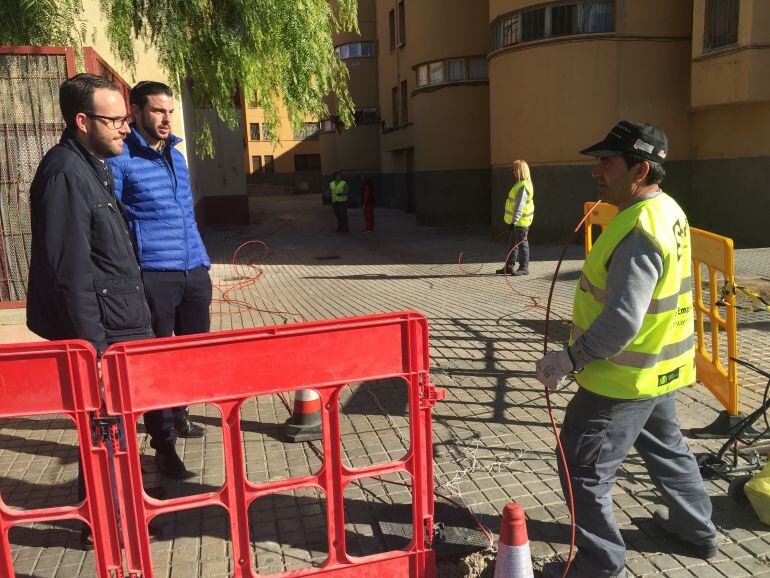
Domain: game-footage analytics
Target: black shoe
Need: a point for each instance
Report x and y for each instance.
(87, 538)
(520, 271)
(171, 466)
(187, 429)
(704, 551)
(505, 271)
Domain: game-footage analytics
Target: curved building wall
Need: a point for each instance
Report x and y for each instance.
(551, 98)
(435, 141)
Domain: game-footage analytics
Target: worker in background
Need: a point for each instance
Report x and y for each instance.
(339, 193)
(367, 198)
(519, 214)
(151, 179)
(631, 348)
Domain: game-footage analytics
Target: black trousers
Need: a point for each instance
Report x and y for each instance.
(341, 212)
(179, 303)
(521, 253)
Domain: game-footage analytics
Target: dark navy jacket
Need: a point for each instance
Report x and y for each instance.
(155, 189)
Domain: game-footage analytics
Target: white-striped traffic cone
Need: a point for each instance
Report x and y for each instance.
(305, 422)
(514, 559)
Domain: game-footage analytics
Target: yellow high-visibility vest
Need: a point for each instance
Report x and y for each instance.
(661, 357)
(338, 192)
(528, 215)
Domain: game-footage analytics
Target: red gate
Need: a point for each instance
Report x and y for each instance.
(225, 369)
(60, 378)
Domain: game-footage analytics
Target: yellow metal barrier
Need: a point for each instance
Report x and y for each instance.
(715, 367)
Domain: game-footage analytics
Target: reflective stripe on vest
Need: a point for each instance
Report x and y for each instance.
(528, 214)
(661, 357)
(338, 191)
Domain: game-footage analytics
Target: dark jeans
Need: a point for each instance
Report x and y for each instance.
(179, 303)
(597, 434)
(521, 253)
(341, 212)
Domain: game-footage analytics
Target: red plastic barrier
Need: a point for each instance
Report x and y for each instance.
(225, 369)
(61, 378)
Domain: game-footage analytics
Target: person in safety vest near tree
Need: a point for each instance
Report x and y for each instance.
(631, 348)
(339, 192)
(519, 214)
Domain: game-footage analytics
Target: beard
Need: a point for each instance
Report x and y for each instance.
(105, 145)
(151, 129)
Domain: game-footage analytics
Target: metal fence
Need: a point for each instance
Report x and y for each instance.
(30, 124)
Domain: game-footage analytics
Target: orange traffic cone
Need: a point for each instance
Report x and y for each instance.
(305, 421)
(514, 559)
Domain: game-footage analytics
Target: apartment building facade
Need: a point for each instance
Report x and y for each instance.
(448, 93)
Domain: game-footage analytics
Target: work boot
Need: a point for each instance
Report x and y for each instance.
(505, 271)
(171, 466)
(185, 428)
(704, 550)
(556, 569)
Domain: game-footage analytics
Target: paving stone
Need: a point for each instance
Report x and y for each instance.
(492, 438)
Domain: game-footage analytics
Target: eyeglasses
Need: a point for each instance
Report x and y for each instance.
(112, 121)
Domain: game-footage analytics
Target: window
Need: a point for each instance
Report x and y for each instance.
(269, 164)
(354, 50)
(422, 75)
(533, 24)
(256, 164)
(392, 29)
(367, 114)
(509, 30)
(472, 68)
(436, 72)
(455, 70)
(577, 17)
(564, 20)
(401, 23)
(596, 17)
(252, 101)
(394, 104)
(307, 130)
(404, 102)
(265, 127)
(478, 68)
(329, 125)
(254, 131)
(307, 163)
(721, 23)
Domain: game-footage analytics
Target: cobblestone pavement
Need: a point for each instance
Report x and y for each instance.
(492, 439)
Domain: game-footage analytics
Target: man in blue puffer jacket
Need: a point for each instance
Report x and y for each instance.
(152, 181)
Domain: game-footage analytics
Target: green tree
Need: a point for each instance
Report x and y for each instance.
(281, 50)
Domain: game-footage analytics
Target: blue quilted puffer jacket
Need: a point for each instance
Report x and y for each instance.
(159, 205)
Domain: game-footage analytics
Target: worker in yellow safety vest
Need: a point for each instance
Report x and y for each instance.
(519, 214)
(339, 193)
(631, 348)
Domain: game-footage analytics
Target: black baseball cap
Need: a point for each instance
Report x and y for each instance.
(645, 141)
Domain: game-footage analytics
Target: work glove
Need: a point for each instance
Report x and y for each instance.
(552, 370)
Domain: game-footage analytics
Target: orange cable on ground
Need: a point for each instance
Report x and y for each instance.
(245, 279)
(570, 496)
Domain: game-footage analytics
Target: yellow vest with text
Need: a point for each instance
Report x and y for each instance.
(661, 358)
(338, 192)
(528, 214)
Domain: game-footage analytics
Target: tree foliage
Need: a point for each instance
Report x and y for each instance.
(282, 50)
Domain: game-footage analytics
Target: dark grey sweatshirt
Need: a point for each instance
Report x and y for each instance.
(635, 267)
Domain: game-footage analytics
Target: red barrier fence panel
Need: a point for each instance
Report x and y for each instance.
(227, 368)
(61, 378)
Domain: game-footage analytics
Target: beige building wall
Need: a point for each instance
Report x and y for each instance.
(146, 63)
(282, 152)
(356, 150)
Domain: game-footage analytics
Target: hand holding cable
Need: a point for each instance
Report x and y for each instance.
(553, 369)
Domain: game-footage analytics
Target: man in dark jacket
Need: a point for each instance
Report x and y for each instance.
(84, 279)
(152, 181)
